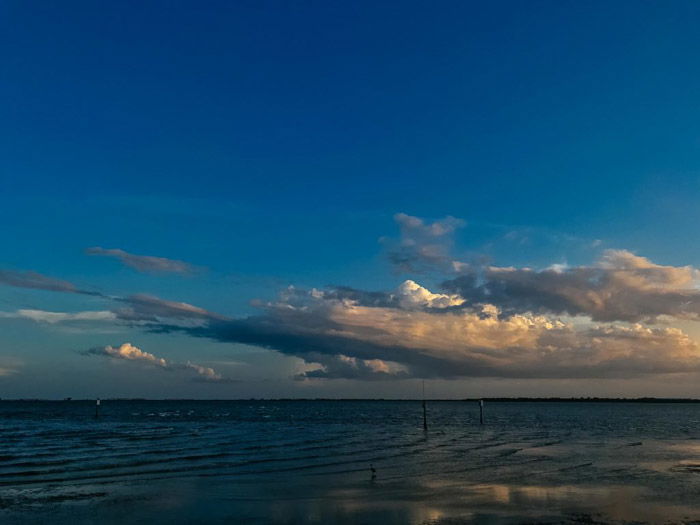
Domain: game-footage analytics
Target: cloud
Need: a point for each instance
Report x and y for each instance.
(133, 309)
(206, 373)
(29, 279)
(412, 295)
(409, 295)
(6, 371)
(152, 309)
(345, 367)
(609, 319)
(621, 286)
(44, 316)
(423, 246)
(129, 352)
(144, 263)
(346, 339)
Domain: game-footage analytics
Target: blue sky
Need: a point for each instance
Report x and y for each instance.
(272, 144)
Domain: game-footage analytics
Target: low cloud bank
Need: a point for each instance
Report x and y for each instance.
(351, 340)
(610, 319)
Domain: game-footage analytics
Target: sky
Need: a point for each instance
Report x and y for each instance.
(346, 199)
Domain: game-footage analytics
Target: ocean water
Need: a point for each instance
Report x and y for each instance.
(309, 462)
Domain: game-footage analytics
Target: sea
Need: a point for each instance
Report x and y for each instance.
(348, 461)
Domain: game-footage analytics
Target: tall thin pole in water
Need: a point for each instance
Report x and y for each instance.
(481, 411)
(425, 413)
(97, 408)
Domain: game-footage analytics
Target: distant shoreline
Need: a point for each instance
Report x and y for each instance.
(293, 400)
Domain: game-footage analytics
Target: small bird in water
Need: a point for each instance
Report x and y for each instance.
(373, 471)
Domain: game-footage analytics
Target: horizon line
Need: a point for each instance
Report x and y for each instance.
(377, 399)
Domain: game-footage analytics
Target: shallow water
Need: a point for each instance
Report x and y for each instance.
(308, 462)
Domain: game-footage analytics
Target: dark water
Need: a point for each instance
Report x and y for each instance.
(308, 462)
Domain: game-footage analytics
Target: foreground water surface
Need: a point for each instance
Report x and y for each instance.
(309, 462)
